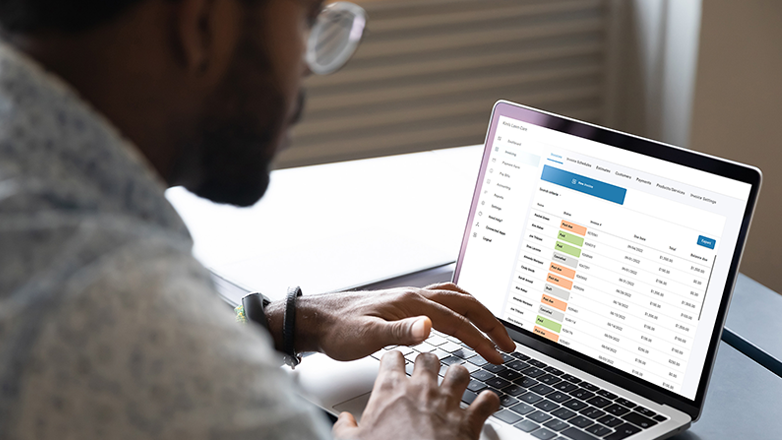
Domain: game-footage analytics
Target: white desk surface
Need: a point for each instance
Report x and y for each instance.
(313, 226)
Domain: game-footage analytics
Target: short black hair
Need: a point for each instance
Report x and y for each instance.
(27, 16)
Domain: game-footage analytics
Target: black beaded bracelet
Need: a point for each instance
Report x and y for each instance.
(289, 326)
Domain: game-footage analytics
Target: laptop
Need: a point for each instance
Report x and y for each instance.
(611, 260)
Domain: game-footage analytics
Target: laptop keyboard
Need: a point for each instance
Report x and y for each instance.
(535, 397)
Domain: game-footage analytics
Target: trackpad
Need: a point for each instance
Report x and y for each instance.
(354, 406)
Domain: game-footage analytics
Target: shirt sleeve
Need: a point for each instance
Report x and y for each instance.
(141, 347)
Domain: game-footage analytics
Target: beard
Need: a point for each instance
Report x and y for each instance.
(238, 137)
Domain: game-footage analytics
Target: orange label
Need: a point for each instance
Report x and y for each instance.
(559, 281)
(566, 271)
(574, 228)
(553, 302)
(546, 334)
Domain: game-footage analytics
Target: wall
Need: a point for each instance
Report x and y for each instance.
(738, 111)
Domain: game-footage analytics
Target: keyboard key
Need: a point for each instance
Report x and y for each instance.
(582, 394)
(533, 372)
(436, 341)
(581, 421)
(625, 402)
(571, 378)
(554, 371)
(424, 347)
(443, 369)
(564, 413)
(468, 397)
(452, 360)
(616, 410)
(441, 354)
(522, 408)
(610, 421)
(556, 425)
(549, 379)
(539, 416)
(645, 411)
(559, 397)
(592, 413)
(476, 386)
(565, 387)
(409, 369)
(507, 416)
(544, 434)
(575, 405)
(477, 360)
(527, 425)
(510, 375)
(470, 367)
(482, 375)
(660, 418)
(607, 394)
(506, 358)
(637, 419)
(527, 382)
(464, 353)
(577, 434)
(497, 382)
(547, 405)
(513, 390)
(494, 368)
(542, 389)
(507, 401)
(521, 356)
(598, 401)
(623, 431)
(450, 347)
(537, 363)
(599, 430)
(530, 398)
(518, 365)
(590, 387)
(411, 356)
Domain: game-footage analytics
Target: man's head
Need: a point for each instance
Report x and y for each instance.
(208, 89)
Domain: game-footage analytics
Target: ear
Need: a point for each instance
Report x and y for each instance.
(206, 32)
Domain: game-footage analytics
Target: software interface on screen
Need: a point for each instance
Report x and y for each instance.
(624, 263)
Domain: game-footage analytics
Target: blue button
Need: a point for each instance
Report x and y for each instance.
(706, 242)
(579, 183)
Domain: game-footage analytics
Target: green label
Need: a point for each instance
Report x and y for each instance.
(568, 249)
(549, 324)
(571, 238)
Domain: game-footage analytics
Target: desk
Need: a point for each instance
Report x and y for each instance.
(390, 215)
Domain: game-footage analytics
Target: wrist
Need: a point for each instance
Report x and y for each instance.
(307, 331)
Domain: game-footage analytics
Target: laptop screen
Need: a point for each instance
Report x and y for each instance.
(617, 255)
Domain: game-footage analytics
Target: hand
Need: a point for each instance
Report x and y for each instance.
(351, 325)
(415, 407)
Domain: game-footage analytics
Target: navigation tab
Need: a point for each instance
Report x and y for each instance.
(583, 184)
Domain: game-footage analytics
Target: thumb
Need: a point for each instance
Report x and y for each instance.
(345, 426)
(410, 331)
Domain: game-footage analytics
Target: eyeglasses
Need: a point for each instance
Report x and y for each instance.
(335, 37)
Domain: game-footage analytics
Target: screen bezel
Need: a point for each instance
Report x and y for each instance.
(650, 148)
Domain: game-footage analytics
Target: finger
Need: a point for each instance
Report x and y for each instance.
(426, 365)
(469, 307)
(455, 382)
(409, 331)
(486, 404)
(392, 362)
(448, 321)
(345, 426)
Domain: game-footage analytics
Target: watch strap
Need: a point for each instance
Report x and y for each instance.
(289, 326)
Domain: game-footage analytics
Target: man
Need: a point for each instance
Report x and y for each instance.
(108, 327)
